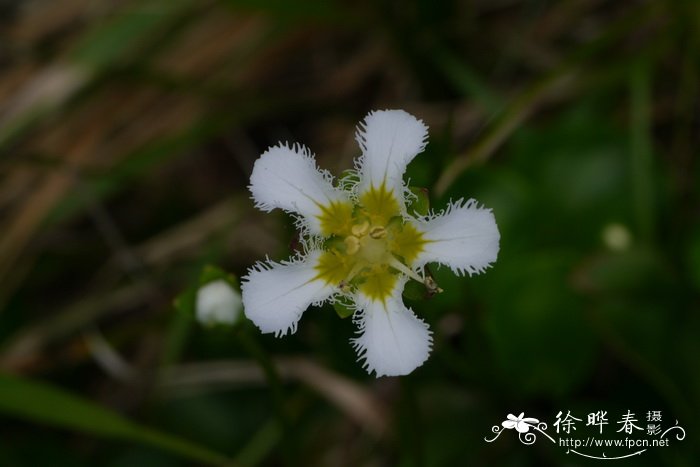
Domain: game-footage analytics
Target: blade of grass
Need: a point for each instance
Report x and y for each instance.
(247, 340)
(354, 401)
(53, 406)
(260, 445)
(571, 72)
(512, 118)
(133, 29)
(641, 164)
(130, 30)
(467, 82)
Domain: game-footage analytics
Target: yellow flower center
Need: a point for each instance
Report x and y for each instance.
(368, 244)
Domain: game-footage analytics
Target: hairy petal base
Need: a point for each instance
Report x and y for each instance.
(287, 178)
(389, 139)
(275, 295)
(464, 237)
(393, 340)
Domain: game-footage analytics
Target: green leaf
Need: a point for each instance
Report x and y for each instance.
(185, 302)
(635, 272)
(53, 406)
(421, 204)
(177, 334)
(414, 290)
(693, 259)
(212, 273)
(126, 33)
(538, 329)
(641, 152)
(344, 307)
(417, 291)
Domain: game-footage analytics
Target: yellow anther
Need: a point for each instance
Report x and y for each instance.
(377, 232)
(352, 244)
(360, 230)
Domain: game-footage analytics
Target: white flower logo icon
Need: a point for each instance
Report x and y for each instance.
(522, 425)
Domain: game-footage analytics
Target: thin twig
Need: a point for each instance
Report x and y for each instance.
(351, 398)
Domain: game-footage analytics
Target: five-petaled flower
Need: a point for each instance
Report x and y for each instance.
(522, 425)
(360, 243)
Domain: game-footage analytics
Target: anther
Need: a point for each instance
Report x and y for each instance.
(377, 232)
(352, 244)
(360, 230)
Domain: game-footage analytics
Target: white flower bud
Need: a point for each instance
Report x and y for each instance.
(218, 303)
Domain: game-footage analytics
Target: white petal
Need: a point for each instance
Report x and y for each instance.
(287, 178)
(275, 295)
(217, 302)
(465, 238)
(393, 340)
(509, 424)
(389, 139)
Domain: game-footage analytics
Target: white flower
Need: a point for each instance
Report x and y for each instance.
(522, 425)
(218, 303)
(361, 243)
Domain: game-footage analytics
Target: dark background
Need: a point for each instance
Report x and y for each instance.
(127, 134)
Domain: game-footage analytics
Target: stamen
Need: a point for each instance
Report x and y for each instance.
(352, 244)
(399, 266)
(360, 230)
(377, 232)
(351, 275)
